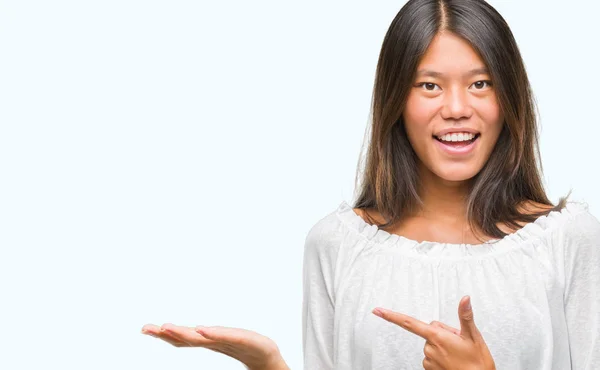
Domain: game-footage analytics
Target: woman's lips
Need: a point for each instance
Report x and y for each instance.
(454, 150)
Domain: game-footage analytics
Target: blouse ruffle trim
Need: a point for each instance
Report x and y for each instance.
(530, 232)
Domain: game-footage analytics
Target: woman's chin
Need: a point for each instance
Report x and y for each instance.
(457, 175)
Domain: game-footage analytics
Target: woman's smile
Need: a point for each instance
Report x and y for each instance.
(457, 143)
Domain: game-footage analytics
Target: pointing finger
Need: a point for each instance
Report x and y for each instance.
(409, 323)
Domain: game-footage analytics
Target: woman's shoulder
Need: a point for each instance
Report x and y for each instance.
(325, 226)
(572, 224)
(369, 215)
(528, 207)
(564, 221)
(580, 223)
(577, 238)
(342, 225)
(326, 232)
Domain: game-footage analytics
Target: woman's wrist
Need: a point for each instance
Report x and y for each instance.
(277, 363)
(280, 366)
(491, 366)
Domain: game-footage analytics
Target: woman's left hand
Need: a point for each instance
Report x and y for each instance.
(447, 348)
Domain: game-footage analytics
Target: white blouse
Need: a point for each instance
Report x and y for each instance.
(535, 293)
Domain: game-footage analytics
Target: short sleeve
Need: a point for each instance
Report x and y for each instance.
(582, 290)
(320, 255)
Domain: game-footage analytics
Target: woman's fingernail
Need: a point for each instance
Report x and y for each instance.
(378, 312)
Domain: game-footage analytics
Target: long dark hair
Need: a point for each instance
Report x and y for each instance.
(511, 176)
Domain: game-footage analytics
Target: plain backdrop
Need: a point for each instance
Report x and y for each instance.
(163, 161)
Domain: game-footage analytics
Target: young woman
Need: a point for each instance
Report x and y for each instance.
(451, 212)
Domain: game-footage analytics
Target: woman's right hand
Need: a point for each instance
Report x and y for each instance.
(254, 350)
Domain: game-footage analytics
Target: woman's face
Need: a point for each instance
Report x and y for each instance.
(452, 94)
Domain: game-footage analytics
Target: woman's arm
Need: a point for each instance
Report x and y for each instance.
(320, 255)
(582, 291)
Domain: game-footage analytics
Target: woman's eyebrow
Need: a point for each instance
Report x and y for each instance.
(473, 72)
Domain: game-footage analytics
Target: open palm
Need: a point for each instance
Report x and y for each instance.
(254, 350)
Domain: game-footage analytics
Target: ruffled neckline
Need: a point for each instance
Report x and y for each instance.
(531, 231)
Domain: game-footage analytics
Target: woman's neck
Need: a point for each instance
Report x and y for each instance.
(442, 199)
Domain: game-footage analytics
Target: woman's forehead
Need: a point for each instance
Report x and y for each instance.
(449, 54)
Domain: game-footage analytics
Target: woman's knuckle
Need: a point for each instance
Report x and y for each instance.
(438, 335)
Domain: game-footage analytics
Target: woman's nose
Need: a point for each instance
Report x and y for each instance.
(456, 105)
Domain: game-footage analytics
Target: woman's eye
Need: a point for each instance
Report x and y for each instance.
(479, 85)
(429, 86)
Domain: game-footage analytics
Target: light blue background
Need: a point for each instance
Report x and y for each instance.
(163, 161)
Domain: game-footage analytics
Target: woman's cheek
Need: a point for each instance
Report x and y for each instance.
(489, 110)
(421, 111)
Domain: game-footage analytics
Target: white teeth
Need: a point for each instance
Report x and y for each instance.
(462, 136)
